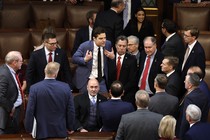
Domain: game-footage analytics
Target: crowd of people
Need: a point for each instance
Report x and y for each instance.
(155, 92)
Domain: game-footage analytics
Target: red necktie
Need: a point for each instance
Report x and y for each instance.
(50, 57)
(118, 67)
(21, 92)
(145, 73)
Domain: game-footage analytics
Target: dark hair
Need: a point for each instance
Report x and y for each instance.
(169, 25)
(49, 29)
(173, 61)
(47, 36)
(116, 89)
(161, 81)
(193, 30)
(139, 9)
(121, 37)
(90, 14)
(194, 79)
(98, 30)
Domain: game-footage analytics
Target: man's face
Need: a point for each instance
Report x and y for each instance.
(100, 40)
(93, 87)
(51, 44)
(165, 67)
(149, 47)
(121, 47)
(188, 38)
(186, 82)
(132, 46)
(18, 63)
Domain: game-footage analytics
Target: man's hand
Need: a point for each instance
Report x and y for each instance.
(88, 56)
(109, 54)
(12, 112)
(83, 130)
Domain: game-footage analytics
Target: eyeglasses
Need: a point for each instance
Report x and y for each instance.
(52, 44)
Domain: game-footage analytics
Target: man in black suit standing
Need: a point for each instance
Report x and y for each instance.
(173, 45)
(123, 68)
(85, 33)
(10, 93)
(111, 21)
(40, 58)
(86, 108)
(149, 65)
(162, 102)
(193, 96)
(174, 83)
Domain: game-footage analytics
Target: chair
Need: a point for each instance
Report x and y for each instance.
(204, 39)
(15, 15)
(188, 14)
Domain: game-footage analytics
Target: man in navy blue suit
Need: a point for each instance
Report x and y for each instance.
(85, 33)
(51, 104)
(198, 130)
(111, 111)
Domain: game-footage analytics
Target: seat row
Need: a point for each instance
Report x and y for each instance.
(37, 14)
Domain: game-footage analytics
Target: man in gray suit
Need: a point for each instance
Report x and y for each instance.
(162, 102)
(10, 92)
(141, 124)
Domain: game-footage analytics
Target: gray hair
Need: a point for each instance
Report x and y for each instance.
(12, 56)
(52, 68)
(193, 112)
(142, 99)
(134, 38)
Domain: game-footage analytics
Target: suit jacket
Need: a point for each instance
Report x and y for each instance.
(174, 85)
(174, 47)
(8, 94)
(128, 76)
(141, 124)
(154, 70)
(111, 119)
(195, 58)
(163, 103)
(205, 89)
(132, 29)
(82, 35)
(83, 70)
(199, 131)
(82, 110)
(37, 63)
(112, 22)
(198, 98)
(51, 103)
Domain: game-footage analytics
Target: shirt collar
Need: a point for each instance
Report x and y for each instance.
(170, 36)
(168, 74)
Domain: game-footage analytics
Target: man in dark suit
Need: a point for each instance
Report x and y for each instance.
(194, 55)
(51, 105)
(194, 96)
(173, 45)
(111, 21)
(149, 65)
(86, 57)
(10, 92)
(198, 130)
(85, 33)
(123, 68)
(111, 119)
(40, 58)
(86, 108)
(174, 83)
(162, 102)
(141, 124)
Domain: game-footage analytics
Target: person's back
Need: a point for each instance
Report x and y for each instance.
(141, 124)
(51, 104)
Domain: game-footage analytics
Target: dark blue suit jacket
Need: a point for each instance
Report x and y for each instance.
(199, 131)
(154, 70)
(111, 111)
(37, 63)
(83, 70)
(198, 98)
(82, 35)
(195, 58)
(51, 103)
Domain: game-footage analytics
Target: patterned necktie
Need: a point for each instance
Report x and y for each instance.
(118, 67)
(185, 57)
(145, 74)
(93, 99)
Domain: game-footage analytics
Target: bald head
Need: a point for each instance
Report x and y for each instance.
(14, 60)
